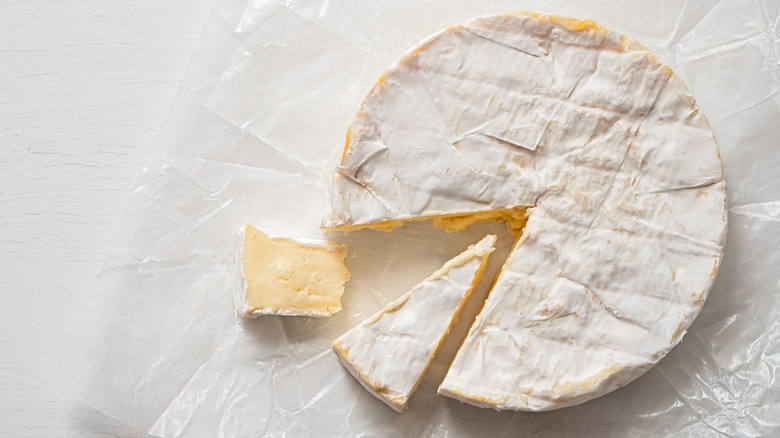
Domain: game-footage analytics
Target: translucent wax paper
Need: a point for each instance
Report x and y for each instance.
(252, 137)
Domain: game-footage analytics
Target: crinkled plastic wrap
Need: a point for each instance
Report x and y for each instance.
(252, 137)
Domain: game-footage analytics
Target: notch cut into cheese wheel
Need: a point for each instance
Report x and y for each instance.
(389, 352)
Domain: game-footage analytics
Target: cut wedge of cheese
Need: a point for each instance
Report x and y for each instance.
(390, 351)
(582, 132)
(281, 276)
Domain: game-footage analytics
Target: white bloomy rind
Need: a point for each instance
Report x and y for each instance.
(389, 352)
(619, 171)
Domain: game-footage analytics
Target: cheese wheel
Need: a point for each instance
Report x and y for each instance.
(584, 134)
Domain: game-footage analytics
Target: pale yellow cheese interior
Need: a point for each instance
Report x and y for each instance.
(515, 219)
(287, 277)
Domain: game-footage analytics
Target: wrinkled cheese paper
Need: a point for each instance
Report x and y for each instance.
(251, 138)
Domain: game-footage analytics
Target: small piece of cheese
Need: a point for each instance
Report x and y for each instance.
(390, 351)
(281, 276)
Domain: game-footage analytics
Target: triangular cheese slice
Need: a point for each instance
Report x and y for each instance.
(390, 351)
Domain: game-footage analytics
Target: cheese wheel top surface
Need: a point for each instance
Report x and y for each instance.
(600, 145)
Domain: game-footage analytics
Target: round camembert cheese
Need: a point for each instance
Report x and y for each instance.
(593, 151)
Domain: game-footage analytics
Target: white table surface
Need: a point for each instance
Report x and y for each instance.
(84, 87)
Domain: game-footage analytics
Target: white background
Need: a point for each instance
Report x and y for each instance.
(84, 87)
